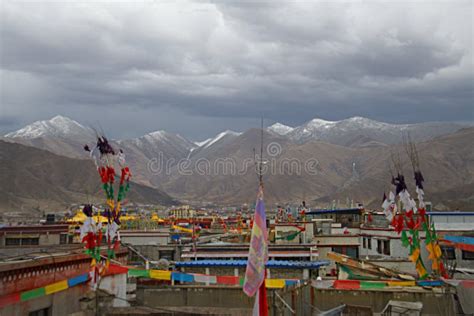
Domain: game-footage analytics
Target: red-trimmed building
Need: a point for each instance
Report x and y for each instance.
(39, 282)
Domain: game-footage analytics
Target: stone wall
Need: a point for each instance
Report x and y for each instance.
(433, 303)
(203, 300)
(299, 299)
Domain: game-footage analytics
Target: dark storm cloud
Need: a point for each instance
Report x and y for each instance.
(197, 68)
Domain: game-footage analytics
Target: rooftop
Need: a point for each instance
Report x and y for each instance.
(451, 213)
(38, 229)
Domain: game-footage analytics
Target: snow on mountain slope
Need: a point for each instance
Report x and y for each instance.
(202, 143)
(60, 135)
(339, 132)
(67, 137)
(205, 147)
(220, 136)
(280, 129)
(170, 145)
(211, 141)
(166, 149)
(163, 136)
(58, 126)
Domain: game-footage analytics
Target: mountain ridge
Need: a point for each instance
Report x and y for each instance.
(316, 128)
(336, 158)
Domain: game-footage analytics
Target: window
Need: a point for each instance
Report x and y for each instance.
(12, 241)
(22, 241)
(364, 242)
(383, 246)
(449, 253)
(369, 242)
(352, 252)
(356, 219)
(348, 251)
(386, 247)
(467, 255)
(30, 241)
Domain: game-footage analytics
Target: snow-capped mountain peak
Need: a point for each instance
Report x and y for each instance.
(58, 126)
(156, 135)
(159, 138)
(59, 119)
(318, 123)
(341, 132)
(280, 129)
(363, 122)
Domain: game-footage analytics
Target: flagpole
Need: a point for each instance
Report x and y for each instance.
(262, 297)
(255, 272)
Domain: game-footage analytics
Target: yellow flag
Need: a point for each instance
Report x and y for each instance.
(401, 283)
(160, 274)
(110, 203)
(438, 252)
(56, 287)
(414, 256)
(275, 283)
(420, 269)
(430, 251)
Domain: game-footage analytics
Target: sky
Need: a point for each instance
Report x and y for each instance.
(197, 68)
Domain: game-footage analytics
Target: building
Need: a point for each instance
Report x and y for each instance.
(380, 242)
(455, 224)
(293, 233)
(347, 218)
(145, 237)
(295, 252)
(35, 235)
(52, 281)
(182, 212)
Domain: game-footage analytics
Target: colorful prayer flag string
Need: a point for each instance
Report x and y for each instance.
(105, 157)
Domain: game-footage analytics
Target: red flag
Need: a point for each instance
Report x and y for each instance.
(262, 298)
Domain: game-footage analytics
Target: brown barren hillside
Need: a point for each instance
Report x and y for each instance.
(35, 179)
(359, 174)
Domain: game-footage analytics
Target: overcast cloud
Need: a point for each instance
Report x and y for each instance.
(199, 68)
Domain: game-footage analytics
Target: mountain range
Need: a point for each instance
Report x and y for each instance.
(347, 132)
(351, 157)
